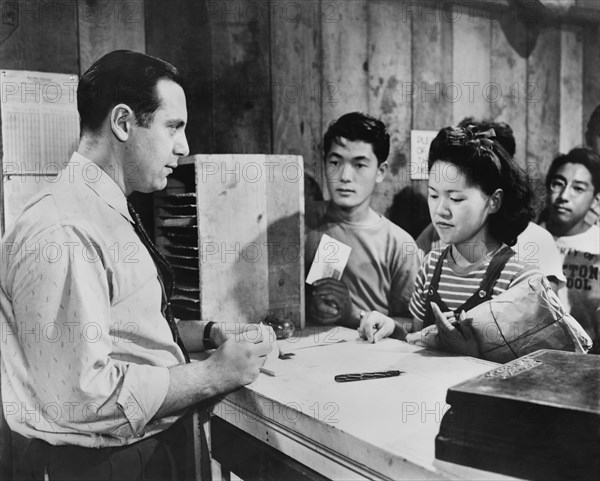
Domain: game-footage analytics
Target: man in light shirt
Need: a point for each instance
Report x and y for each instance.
(573, 188)
(94, 371)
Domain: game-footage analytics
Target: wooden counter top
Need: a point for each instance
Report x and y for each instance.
(374, 429)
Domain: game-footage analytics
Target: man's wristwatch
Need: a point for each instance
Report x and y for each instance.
(206, 340)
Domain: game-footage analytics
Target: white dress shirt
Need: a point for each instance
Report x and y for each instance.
(84, 348)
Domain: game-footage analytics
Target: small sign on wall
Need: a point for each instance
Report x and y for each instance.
(419, 151)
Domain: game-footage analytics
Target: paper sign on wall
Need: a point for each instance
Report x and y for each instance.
(40, 131)
(40, 122)
(419, 151)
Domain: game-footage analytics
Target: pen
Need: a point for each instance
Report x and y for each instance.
(362, 376)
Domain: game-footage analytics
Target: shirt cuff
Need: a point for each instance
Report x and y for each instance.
(143, 391)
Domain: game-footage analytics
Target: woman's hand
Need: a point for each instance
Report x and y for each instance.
(374, 326)
(458, 337)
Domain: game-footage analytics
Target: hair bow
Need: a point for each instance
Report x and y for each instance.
(484, 136)
(485, 141)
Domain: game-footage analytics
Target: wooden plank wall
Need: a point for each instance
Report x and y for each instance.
(268, 76)
(390, 72)
(280, 72)
(591, 71)
(105, 25)
(297, 85)
(63, 36)
(432, 71)
(471, 65)
(177, 31)
(509, 76)
(542, 101)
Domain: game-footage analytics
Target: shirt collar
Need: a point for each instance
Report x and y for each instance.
(100, 182)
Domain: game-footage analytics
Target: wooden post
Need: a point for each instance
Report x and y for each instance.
(250, 214)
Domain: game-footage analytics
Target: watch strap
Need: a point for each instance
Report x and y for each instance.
(206, 340)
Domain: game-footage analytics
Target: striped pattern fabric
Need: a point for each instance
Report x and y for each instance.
(457, 284)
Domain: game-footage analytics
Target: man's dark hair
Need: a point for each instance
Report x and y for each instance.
(409, 211)
(593, 126)
(362, 127)
(122, 76)
(580, 155)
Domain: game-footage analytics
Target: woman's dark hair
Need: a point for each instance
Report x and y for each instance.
(581, 155)
(486, 164)
(122, 76)
(358, 126)
(504, 132)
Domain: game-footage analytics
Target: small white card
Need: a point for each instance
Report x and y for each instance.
(330, 260)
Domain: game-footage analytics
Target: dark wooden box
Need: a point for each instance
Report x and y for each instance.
(537, 417)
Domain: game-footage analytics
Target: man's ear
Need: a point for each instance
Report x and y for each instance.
(496, 201)
(381, 171)
(121, 121)
(596, 202)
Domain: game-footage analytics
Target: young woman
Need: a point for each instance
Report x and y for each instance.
(479, 202)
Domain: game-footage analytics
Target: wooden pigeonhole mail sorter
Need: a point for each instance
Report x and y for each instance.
(232, 227)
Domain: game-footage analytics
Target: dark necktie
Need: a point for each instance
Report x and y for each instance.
(166, 277)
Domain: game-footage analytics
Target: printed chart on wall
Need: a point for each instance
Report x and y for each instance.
(419, 151)
(40, 130)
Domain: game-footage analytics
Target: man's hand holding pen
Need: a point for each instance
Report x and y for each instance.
(241, 350)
